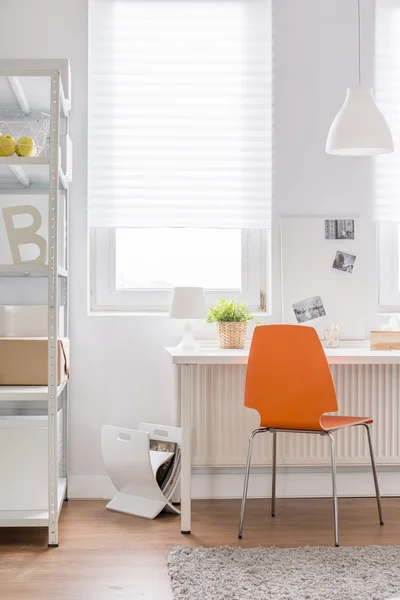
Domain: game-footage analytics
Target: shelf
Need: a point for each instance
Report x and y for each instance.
(26, 83)
(27, 173)
(29, 92)
(29, 270)
(24, 160)
(27, 393)
(32, 518)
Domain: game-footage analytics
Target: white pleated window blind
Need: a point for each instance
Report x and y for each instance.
(180, 113)
(387, 93)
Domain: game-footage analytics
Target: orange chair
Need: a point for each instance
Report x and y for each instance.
(289, 384)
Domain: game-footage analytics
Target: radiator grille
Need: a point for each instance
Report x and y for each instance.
(221, 423)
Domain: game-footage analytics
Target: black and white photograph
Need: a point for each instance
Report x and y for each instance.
(339, 229)
(308, 309)
(344, 262)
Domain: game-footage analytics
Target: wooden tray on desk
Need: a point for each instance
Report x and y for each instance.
(385, 340)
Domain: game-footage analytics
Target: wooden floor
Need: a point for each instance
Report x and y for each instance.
(105, 555)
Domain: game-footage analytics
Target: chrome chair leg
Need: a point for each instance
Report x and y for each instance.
(334, 488)
(273, 495)
(246, 480)
(371, 451)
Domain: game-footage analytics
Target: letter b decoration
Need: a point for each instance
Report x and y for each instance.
(19, 236)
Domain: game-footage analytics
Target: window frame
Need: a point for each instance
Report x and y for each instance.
(106, 297)
(388, 266)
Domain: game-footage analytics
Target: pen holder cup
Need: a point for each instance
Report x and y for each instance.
(331, 338)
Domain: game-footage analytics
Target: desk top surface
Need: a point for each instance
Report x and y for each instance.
(335, 356)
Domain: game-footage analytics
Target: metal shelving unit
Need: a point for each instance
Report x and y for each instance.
(29, 85)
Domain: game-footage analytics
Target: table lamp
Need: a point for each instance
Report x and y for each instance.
(188, 303)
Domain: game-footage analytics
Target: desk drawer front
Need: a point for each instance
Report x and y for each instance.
(221, 423)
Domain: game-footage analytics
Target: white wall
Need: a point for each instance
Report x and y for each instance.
(120, 374)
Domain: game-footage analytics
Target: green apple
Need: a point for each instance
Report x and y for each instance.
(7, 145)
(25, 146)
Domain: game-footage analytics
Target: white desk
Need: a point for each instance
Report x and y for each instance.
(215, 356)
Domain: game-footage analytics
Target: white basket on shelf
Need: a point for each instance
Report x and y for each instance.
(36, 125)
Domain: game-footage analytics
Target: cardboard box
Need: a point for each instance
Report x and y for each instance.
(385, 340)
(23, 361)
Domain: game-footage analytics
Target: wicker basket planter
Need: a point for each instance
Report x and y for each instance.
(231, 334)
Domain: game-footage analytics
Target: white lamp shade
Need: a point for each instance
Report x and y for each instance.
(188, 303)
(359, 128)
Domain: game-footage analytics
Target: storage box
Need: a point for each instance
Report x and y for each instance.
(24, 462)
(23, 361)
(385, 340)
(27, 321)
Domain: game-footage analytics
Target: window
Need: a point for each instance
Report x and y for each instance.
(179, 149)
(136, 269)
(210, 258)
(387, 91)
(387, 167)
(389, 265)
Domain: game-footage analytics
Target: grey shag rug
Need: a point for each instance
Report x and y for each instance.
(311, 573)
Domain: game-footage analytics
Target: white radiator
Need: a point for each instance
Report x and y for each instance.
(221, 423)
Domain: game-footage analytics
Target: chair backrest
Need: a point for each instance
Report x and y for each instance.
(288, 378)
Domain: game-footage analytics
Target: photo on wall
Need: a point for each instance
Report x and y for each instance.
(339, 229)
(308, 309)
(344, 262)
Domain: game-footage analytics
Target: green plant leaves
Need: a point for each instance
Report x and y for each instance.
(229, 311)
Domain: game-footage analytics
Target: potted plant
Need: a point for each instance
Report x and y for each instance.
(231, 319)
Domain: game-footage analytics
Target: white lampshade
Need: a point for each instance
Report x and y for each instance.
(188, 303)
(359, 128)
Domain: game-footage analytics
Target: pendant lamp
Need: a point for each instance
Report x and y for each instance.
(359, 128)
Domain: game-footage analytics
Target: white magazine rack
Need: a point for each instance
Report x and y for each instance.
(126, 456)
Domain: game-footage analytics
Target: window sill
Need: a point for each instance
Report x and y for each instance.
(150, 313)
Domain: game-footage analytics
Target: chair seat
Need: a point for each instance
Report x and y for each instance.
(329, 422)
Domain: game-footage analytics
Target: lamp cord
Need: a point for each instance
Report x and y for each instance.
(359, 42)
